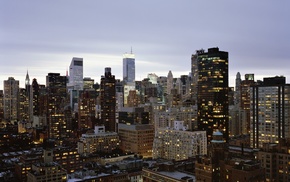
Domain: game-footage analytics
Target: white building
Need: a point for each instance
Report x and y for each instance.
(99, 141)
(178, 144)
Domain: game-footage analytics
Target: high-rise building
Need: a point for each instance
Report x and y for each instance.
(129, 68)
(212, 91)
(87, 109)
(108, 100)
(11, 95)
(75, 81)
(56, 102)
(76, 74)
(269, 111)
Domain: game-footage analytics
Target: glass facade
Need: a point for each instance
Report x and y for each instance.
(212, 92)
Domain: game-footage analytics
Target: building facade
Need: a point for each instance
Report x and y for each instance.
(212, 91)
(108, 100)
(178, 144)
(270, 111)
(129, 68)
(99, 141)
(11, 99)
(137, 138)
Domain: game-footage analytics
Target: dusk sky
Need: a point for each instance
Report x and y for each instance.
(44, 36)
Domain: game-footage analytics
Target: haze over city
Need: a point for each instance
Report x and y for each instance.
(42, 37)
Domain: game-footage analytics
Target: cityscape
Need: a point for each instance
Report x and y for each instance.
(188, 128)
(144, 92)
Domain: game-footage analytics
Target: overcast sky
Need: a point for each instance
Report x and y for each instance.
(44, 36)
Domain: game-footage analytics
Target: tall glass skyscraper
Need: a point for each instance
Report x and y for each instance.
(129, 68)
(212, 92)
(76, 74)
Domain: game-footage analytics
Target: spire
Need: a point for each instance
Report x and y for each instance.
(27, 80)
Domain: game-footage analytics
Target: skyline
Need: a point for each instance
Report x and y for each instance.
(43, 37)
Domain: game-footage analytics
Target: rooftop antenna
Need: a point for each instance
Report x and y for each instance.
(131, 50)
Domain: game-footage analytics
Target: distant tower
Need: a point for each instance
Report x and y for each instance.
(128, 75)
(212, 95)
(76, 74)
(129, 68)
(237, 90)
(75, 83)
(11, 95)
(169, 82)
(27, 80)
(108, 100)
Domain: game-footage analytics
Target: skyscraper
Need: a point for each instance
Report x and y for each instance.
(129, 68)
(56, 101)
(76, 74)
(11, 95)
(212, 92)
(108, 100)
(269, 111)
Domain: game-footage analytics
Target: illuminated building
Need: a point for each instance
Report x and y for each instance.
(56, 102)
(99, 141)
(178, 144)
(108, 100)
(49, 170)
(137, 138)
(212, 94)
(23, 107)
(275, 159)
(11, 95)
(87, 109)
(270, 111)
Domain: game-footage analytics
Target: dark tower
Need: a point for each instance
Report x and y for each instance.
(57, 94)
(108, 100)
(212, 89)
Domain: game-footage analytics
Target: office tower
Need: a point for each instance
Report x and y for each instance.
(23, 107)
(169, 82)
(108, 100)
(175, 143)
(76, 74)
(75, 81)
(269, 111)
(194, 75)
(212, 86)
(11, 95)
(129, 68)
(35, 97)
(245, 102)
(56, 102)
(87, 109)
